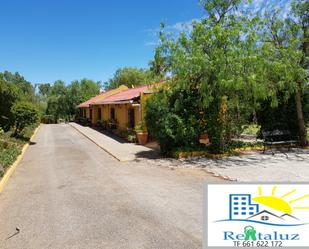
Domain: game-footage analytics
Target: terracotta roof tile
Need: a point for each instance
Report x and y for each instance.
(102, 96)
(129, 94)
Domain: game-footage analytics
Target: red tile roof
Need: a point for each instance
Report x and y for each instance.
(102, 96)
(92, 100)
(129, 94)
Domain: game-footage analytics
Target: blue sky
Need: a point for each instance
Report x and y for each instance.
(46, 40)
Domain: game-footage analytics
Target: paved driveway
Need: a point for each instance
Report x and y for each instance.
(68, 193)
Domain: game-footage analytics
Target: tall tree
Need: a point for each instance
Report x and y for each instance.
(44, 89)
(214, 67)
(131, 77)
(63, 99)
(158, 66)
(25, 88)
(301, 12)
(8, 96)
(89, 88)
(285, 51)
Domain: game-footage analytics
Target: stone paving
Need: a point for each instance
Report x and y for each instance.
(254, 167)
(291, 166)
(118, 148)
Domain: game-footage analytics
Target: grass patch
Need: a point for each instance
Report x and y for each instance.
(11, 147)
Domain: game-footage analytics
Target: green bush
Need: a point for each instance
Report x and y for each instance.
(172, 117)
(24, 114)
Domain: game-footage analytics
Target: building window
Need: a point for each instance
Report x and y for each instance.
(99, 114)
(90, 113)
(112, 114)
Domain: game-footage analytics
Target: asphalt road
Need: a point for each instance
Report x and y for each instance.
(68, 193)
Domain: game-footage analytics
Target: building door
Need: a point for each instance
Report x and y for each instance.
(112, 114)
(99, 114)
(131, 118)
(91, 114)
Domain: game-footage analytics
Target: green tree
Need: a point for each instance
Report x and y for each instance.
(231, 64)
(285, 54)
(158, 66)
(131, 77)
(24, 114)
(9, 94)
(89, 89)
(13, 87)
(25, 88)
(63, 99)
(44, 89)
(214, 67)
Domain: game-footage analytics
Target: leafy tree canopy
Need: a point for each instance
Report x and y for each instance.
(227, 66)
(131, 77)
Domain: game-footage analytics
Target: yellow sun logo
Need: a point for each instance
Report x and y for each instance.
(278, 203)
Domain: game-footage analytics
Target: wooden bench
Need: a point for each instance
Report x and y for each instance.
(278, 137)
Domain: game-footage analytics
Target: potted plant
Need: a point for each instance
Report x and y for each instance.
(141, 133)
(112, 125)
(99, 123)
(104, 124)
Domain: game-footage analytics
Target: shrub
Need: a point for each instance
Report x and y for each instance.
(177, 117)
(24, 114)
(173, 118)
(140, 127)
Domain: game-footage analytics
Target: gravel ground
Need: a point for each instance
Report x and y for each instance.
(284, 166)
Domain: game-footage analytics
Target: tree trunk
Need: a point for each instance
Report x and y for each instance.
(300, 116)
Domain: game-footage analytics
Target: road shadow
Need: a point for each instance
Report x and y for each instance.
(148, 154)
(110, 135)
